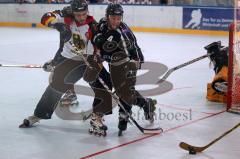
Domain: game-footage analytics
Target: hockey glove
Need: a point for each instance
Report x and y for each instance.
(49, 66)
(92, 71)
(98, 40)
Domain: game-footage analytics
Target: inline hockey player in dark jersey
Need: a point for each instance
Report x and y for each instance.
(75, 26)
(118, 46)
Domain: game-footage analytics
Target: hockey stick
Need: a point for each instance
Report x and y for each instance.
(194, 149)
(143, 130)
(180, 66)
(116, 98)
(22, 66)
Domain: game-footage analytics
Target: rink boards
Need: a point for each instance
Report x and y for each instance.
(142, 18)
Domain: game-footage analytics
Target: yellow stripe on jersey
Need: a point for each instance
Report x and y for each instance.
(49, 20)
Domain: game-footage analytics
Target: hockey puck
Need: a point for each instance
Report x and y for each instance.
(192, 151)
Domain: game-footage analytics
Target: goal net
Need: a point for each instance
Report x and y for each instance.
(233, 100)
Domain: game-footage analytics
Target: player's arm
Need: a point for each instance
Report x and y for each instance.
(93, 30)
(133, 48)
(98, 37)
(56, 20)
(94, 33)
(57, 16)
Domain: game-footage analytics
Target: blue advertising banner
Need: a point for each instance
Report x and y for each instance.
(207, 18)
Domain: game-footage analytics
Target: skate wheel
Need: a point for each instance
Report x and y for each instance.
(161, 130)
(90, 131)
(120, 133)
(104, 134)
(151, 121)
(98, 134)
(22, 126)
(95, 133)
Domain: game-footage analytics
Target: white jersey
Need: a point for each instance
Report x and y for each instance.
(79, 37)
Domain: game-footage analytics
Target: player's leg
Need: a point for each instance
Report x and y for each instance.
(70, 97)
(102, 104)
(123, 118)
(148, 105)
(54, 92)
(124, 80)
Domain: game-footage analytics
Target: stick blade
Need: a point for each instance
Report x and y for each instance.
(153, 131)
(190, 148)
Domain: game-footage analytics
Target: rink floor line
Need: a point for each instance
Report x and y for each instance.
(146, 137)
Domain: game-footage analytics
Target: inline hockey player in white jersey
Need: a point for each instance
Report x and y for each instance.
(77, 27)
(70, 97)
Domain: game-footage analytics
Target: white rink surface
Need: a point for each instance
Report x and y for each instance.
(60, 139)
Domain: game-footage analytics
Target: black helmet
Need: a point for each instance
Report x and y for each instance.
(114, 9)
(79, 5)
(214, 47)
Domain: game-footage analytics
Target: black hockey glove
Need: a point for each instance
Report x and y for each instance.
(91, 73)
(49, 66)
(65, 32)
(98, 40)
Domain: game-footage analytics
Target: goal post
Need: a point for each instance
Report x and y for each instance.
(233, 99)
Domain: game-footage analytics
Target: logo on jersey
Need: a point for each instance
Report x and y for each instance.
(79, 41)
(110, 38)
